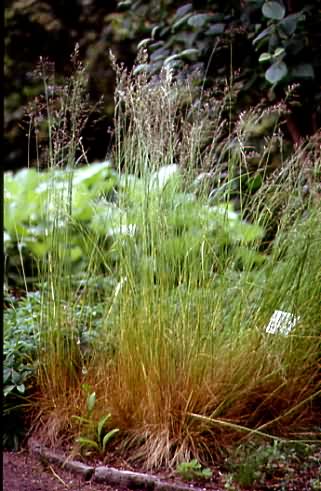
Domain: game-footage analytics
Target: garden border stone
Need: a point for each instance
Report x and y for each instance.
(105, 474)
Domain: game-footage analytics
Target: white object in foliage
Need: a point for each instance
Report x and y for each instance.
(281, 323)
(161, 177)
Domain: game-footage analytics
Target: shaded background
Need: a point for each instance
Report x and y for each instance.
(51, 28)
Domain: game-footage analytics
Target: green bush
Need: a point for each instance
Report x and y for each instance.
(29, 215)
(98, 217)
(20, 354)
(261, 46)
(23, 341)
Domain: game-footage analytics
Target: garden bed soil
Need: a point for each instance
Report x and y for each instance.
(28, 470)
(23, 471)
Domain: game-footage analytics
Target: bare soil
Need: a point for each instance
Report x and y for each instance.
(23, 471)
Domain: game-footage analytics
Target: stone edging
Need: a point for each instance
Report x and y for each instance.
(104, 474)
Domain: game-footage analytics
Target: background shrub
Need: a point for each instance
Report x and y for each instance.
(260, 46)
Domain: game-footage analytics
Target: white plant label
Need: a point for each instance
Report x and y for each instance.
(281, 323)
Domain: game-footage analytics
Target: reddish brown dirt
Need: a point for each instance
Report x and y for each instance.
(24, 472)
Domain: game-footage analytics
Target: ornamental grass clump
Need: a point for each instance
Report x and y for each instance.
(198, 270)
(195, 369)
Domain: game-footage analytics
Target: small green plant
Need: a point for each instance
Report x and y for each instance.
(28, 194)
(229, 483)
(193, 470)
(94, 436)
(315, 484)
(251, 464)
(20, 345)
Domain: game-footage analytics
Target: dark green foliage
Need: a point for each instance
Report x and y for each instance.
(50, 30)
(256, 463)
(21, 342)
(260, 46)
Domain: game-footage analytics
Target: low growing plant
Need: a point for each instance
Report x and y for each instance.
(254, 463)
(94, 436)
(193, 470)
(20, 348)
(315, 484)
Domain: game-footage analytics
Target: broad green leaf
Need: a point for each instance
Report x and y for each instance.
(141, 68)
(91, 173)
(180, 22)
(215, 29)
(75, 254)
(82, 208)
(225, 212)
(194, 464)
(290, 22)
(249, 257)
(276, 72)
(263, 34)
(81, 419)
(27, 179)
(16, 377)
(38, 247)
(159, 54)
(155, 31)
(6, 239)
(273, 10)
(264, 57)
(171, 58)
(91, 401)
(143, 43)
(278, 52)
(124, 4)
(190, 53)
(86, 442)
(245, 232)
(198, 20)
(8, 389)
(108, 437)
(101, 183)
(184, 9)
(168, 173)
(21, 388)
(21, 202)
(6, 375)
(101, 424)
(106, 217)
